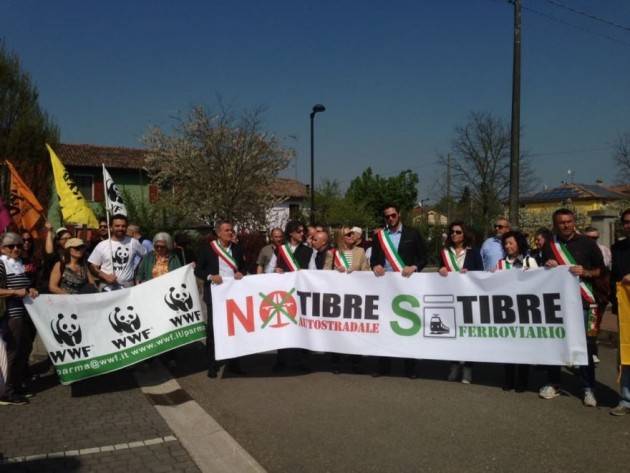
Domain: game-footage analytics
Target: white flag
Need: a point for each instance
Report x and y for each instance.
(113, 197)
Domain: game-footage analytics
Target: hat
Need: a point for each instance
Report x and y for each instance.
(60, 230)
(74, 243)
(357, 230)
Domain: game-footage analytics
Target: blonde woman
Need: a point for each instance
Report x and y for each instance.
(347, 257)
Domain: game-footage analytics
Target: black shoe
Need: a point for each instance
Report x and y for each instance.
(357, 369)
(13, 399)
(24, 392)
(302, 368)
(278, 367)
(520, 389)
(212, 372)
(411, 374)
(236, 369)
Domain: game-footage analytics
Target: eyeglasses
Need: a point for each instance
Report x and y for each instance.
(349, 234)
(299, 231)
(388, 216)
(102, 226)
(159, 247)
(499, 227)
(593, 237)
(626, 222)
(12, 247)
(456, 232)
(78, 248)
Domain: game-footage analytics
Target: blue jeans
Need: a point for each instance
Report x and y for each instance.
(624, 391)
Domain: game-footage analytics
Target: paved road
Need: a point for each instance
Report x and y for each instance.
(322, 422)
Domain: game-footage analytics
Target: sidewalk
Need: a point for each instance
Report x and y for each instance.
(97, 425)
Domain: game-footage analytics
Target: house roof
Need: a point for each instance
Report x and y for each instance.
(93, 156)
(622, 188)
(289, 188)
(574, 192)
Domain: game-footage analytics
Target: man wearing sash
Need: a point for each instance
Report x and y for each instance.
(585, 261)
(218, 260)
(620, 273)
(322, 255)
(397, 249)
(293, 255)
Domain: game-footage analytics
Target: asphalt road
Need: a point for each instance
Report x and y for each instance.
(321, 422)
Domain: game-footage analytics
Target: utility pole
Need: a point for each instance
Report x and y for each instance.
(448, 188)
(516, 116)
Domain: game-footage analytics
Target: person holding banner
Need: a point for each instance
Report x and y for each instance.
(71, 274)
(112, 259)
(516, 252)
(620, 275)
(17, 328)
(293, 255)
(216, 261)
(585, 261)
(459, 256)
(397, 249)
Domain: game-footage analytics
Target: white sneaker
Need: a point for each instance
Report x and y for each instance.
(589, 398)
(549, 392)
(467, 375)
(595, 359)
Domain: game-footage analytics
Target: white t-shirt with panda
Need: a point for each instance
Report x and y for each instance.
(124, 253)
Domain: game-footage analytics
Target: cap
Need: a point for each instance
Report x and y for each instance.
(61, 230)
(74, 243)
(357, 230)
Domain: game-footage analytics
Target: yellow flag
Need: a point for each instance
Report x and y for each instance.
(623, 301)
(74, 208)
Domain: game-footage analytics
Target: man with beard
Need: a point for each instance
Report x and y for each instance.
(112, 259)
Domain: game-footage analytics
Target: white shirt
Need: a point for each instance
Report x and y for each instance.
(225, 271)
(123, 253)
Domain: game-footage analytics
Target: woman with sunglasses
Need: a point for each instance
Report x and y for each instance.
(347, 256)
(16, 327)
(516, 251)
(71, 275)
(458, 255)
(32, 265)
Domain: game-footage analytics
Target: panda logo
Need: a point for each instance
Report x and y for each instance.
(121, 255)
(124, 320)
(179, 299)
(66, 330)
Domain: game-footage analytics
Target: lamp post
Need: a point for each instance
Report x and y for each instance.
(316, 109)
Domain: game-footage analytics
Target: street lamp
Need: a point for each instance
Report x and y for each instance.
(316, 109)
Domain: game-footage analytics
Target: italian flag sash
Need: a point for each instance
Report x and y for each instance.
(390, 252)
(563, 256)
(224, 255)
(284, 252)
(504, 264)
(449, 260)
(339, 260)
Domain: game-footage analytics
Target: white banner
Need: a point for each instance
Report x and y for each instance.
(92, 334)
(531, 317)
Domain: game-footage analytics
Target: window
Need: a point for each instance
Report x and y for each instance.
(85, 184)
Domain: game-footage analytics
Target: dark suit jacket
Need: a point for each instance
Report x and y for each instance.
(208, 265)
(302, 255)
(472, 260)
(411, 249)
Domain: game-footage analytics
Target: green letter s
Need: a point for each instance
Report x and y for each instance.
(406, 314)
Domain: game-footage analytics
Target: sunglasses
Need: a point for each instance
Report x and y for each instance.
(499, 227)
(349, 234)
(299, 231)
(79, 248)
(456, 232)
(626, 222)
(388, 216)
(593, 237)
(102, 226)
(159, 247)
(13, 247)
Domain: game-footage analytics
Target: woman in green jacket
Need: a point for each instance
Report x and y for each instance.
(160, 261)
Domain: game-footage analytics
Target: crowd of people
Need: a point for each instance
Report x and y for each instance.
(121, 256)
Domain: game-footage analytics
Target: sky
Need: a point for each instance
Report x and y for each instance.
(396, 78)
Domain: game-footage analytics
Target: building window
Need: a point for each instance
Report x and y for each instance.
(85, 184)
(294, 211)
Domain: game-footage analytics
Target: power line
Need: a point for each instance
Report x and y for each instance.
(566, 23)
(588, 15)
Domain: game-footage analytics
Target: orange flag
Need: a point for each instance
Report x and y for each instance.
(25, 209)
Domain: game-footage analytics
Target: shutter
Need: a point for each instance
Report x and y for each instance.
(99, 194)
(153, 193)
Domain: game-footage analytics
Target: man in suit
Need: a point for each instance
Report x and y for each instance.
(411, 249)
(218, 260)
(321, 251)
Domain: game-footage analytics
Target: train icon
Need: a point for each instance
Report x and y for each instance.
(439, 322)
(437, 327)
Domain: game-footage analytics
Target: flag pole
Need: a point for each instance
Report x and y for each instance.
(109, 232)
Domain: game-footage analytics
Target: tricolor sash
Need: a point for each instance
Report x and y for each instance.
(339, 260)
(504, 264)
(390, 252)
(563, 256)
(224, 255)
(284, 252)
(449, 260)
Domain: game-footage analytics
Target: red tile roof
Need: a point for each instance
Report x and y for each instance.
(93, 156)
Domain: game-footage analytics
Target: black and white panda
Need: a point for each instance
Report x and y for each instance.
(179, 299)
(121, 255)
(124, 320)
(66, 330)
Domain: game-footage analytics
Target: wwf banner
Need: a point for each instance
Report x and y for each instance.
(92, 334)
(532, 317)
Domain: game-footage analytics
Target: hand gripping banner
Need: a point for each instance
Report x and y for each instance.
(92, 334)
(532, 317)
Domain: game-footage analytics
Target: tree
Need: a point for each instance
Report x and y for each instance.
(218, 165)
(374, 192)
(24, 126)
(336, 210)
(481, 163)
(622, 156)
